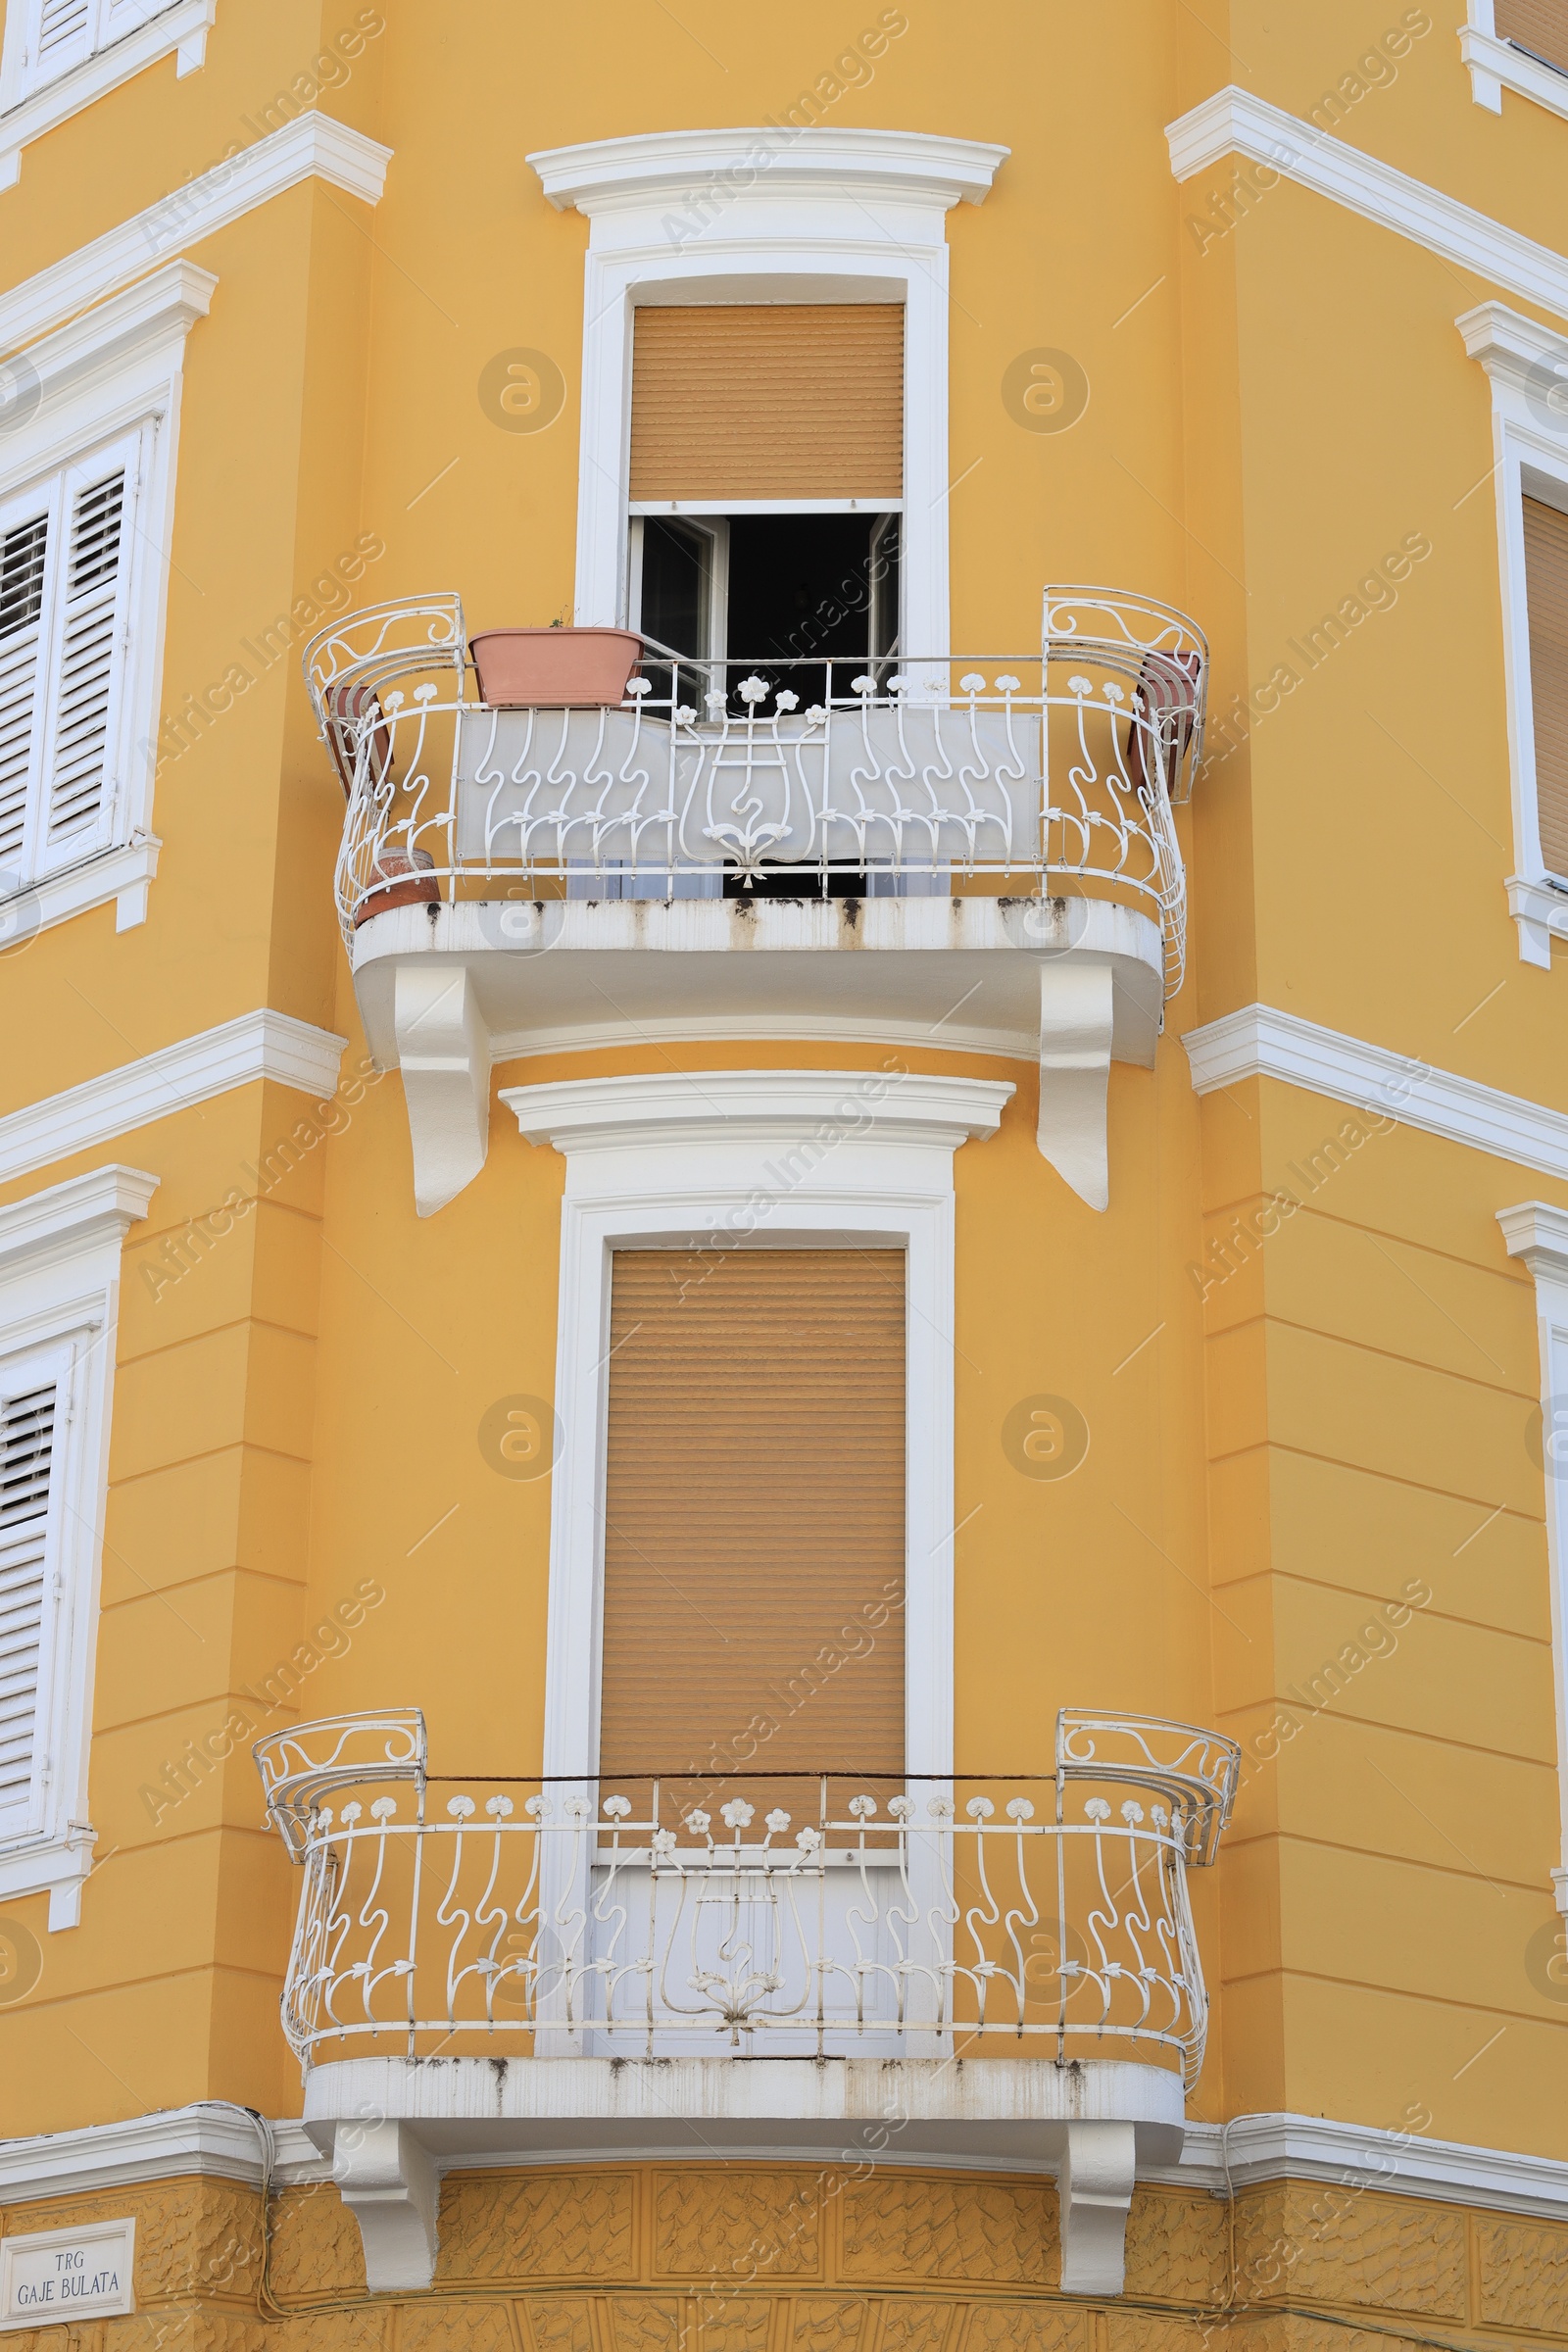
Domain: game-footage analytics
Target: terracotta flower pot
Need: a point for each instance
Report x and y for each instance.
(554, 670)
(402, 878)
(348, 704)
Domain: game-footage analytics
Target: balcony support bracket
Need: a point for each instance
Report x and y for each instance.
(1077, 1003)
(443, 1049)
(390, 2185)
(1095, 2190)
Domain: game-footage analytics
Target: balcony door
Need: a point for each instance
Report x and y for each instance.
(753, 1648)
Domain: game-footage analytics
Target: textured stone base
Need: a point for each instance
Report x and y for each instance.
(862, 2258)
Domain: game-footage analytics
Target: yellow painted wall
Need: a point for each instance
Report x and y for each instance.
(1270, 413)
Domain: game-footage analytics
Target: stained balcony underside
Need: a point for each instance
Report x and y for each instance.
(1096, 2126)
(444, 989)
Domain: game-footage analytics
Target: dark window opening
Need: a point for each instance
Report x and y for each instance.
(814, 602)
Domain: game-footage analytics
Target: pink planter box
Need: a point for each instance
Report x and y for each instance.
(554, 670)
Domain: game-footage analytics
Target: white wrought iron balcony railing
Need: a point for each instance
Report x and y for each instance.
(1042, 1918)
(1055, 773)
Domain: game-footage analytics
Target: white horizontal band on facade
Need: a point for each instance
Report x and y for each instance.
(312, 146)
(180, 31)
(217, 2142)
(1259, 1042)
(1254, 2148)
(258, 1045)
(1235, 122)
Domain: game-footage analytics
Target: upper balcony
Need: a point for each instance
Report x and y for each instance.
(976, 852)
(1003, 1969)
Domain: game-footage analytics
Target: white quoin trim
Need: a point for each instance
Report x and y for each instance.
(770, 213)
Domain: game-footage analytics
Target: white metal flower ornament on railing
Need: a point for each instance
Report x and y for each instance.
(1059, 772)
(940, 1918)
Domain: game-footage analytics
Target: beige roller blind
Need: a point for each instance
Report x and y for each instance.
(1540, 26)
(768, 400)
(1547, 575)
(754, 1511)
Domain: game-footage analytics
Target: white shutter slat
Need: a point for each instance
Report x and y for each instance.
(60, 22)
(84, 689)
(23, 553)
(26, 1456)
(60, 33)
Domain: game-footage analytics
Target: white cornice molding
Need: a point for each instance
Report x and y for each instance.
(1518, 354)
(602, 173)
(759, 1106)
(1309, 2147)
(1235, 122)
(1259, 1042)
(258, 1045)
(72, 1216)
(102, 341)
(1496, 66)
(312, 146)
(220, 2143)
(217, 2141)
(1537, 1232)
(180, 31)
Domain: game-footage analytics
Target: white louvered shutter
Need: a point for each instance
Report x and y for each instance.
(24, 547)
(60, 34)
(90, 595)
(30, 1402)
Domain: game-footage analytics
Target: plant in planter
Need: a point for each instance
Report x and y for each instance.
(402, 878)
(553, 669)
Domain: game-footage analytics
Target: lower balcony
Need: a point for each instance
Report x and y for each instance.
(980, 853)
(930, 1971)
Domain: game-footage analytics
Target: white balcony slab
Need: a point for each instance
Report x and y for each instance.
(928, 2109)
(969, 974)
(1094, 2125)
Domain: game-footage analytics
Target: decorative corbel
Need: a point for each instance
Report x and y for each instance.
(389, 2183)
(1095, 2191)
(1076, 1007)
(444, 1055)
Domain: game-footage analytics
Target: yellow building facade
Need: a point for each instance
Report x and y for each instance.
(783, 1309)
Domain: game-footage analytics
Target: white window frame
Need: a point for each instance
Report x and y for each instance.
(60, 1254)
(674, 1158)
(115, 373)
(29, 107)
(777, 215)
(1524, 362)
(715, 528)
(1537, 1232)
(1495, 66)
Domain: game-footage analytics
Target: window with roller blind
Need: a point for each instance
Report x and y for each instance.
(1545, 540)
(754, 1539)
(66, 546)
(1539, 26)
(766, 480)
